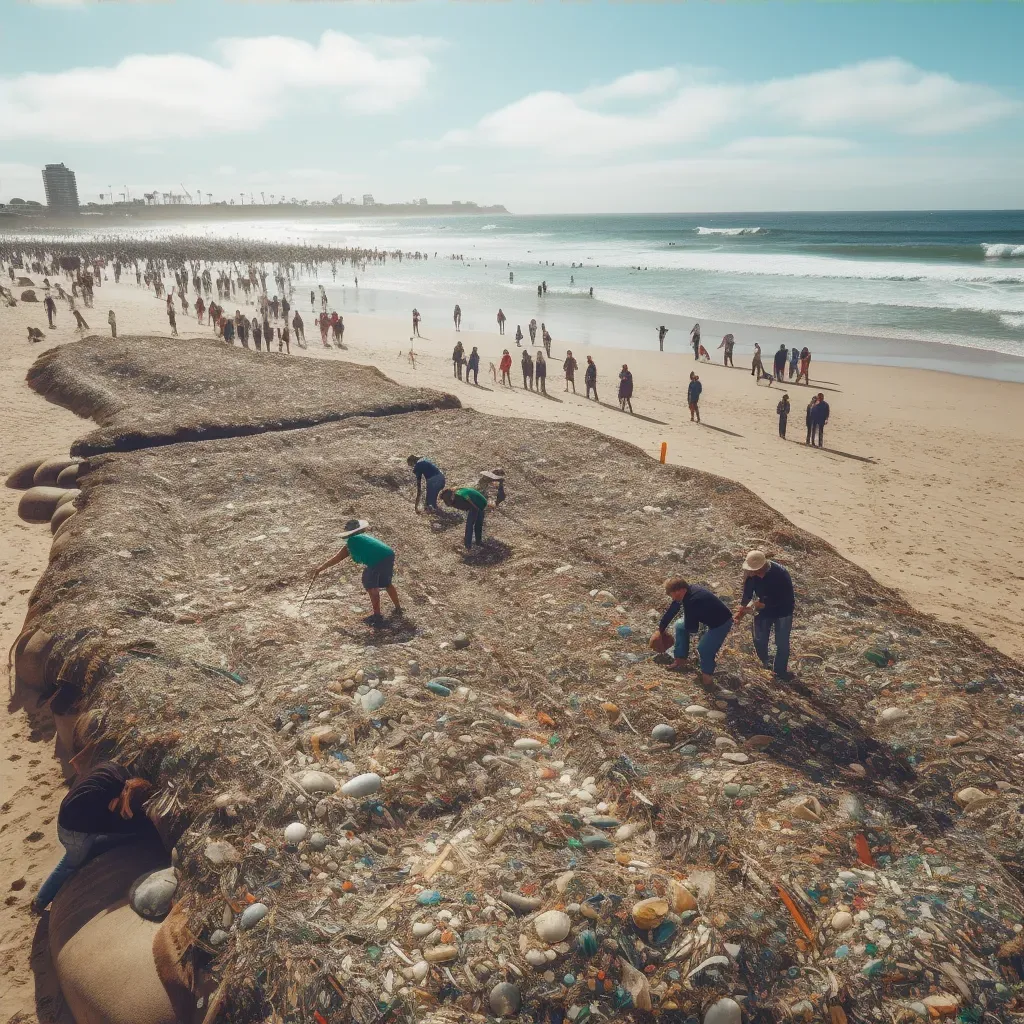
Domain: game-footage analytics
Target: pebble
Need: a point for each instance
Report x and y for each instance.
(536, 957)
(715, 716)
(252, 915)
(731, 789)
(362, 785)
(505, 1000)
(725, 1011)
(527, 743)
(696, 710)
(318, 842)
(318, 782)
(218, 937)
(969, 795)
(682, 899)
(420, 970)
(626, 831)
(372, 700)
(519, 903)
(735, 756)
(295, 833)
(219, 853)
(552, 926)
(893, 714)
(841, 921)
(725, 743)
(422, 928)
(663, 734)
(152, 893)
(460, 641)
(441, 954)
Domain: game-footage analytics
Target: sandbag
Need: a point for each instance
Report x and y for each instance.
(21, 478)
(30, 659)
(101, 949)
(68, 476)
(68, 495)
(50, 469)
(60, 541)
(61, 514)
(37, 504)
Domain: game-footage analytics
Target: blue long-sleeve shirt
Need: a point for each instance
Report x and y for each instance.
(694, 390)
(774, 589)
(426, 469)
(700, 607)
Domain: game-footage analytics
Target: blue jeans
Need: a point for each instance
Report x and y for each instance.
(80, 847)
(435, 484)
(474, 524)
(707, 647)
(761, 629)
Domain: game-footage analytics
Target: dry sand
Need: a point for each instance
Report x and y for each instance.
(920, 484)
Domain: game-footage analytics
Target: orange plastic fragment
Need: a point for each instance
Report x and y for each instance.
(863, 850)
(545, 719)
(797, 916)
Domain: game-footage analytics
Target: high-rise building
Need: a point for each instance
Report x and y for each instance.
(368, 199)
(61, 188)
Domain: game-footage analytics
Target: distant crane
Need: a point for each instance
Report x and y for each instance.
(188, 195)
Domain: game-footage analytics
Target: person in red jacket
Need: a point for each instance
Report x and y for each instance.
(506, 368)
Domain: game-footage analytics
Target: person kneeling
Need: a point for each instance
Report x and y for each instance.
(699, 607)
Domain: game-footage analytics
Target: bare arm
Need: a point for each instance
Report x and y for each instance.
(339, 557)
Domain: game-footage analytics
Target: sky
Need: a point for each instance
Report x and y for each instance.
(544, 107)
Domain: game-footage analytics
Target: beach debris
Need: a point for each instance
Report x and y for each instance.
(552, 926)
(252, 915)
(151, 894)
(362, 785)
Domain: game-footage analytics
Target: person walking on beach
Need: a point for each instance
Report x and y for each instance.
(805, 366)
(693, 396)
(506, 368)
(103, 808)
(768, 592)
(625, 388)
(80, 320)
(501, 322)
(783, 412)
(780, 363)
(257, 334)
(590, 378)
(807, 419)
(300, 330)
(378, 561)
(695, 340)
(699, 607)
(545, 337)
(473, 366)
(458, 317)
(728, 343)
(458, 353)
(757, 367)
(533, 332)
(519, 336)
(569, 368)
(415, 323)
(427, 472)
(527, 364)
(662, 331)
(51, 309)
(819, 417)
(794, 362)
(112, 320)
(173, 321)
(473, 503)
(540, 372)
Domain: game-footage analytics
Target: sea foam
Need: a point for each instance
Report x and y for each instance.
(1002, 251)
(731, 231)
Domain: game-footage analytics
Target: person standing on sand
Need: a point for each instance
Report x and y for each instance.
(545, 337)
(112, 320)
(519, 336)
(51, 309)
(506, 368)
(728, 343)
(541, 372)
(807, 419)
(426, 471)
(172, 320)
(501, 322)
(805, 366)
(693, 396)
(458, 317)
(590, 378)
(699, 607)
(473, 366)
(527, 364)
(662, 331)
(768, 592)
(268, 332)
(533, 332)
(200, 309)
(569, 368)
(695, 340)
(625, 388)
(257, 334)
(284, 338)
(783, 412)
(794, 362)
(378, 561)
(415, 323)
(780, 363)
(457, 356)
(473, 503)
(757, 367)
(819, 417)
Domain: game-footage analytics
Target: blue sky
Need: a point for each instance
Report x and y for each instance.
(545, 107)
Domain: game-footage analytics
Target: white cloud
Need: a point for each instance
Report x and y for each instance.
(787, 145)
(158, 96)
(890, 95)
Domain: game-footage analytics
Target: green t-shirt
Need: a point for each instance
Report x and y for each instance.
(473, 495)
(367, 550)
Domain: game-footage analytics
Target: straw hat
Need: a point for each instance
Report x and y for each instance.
(755, 561)
(354, 526)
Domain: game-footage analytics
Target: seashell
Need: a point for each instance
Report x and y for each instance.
(552, 926)
(682, 899)
(649, 913)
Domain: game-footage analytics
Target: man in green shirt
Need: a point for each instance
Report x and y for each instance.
(473, 503)
(379, 562)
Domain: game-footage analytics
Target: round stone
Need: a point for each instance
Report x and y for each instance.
(151, 895)
(725, 1011)
(318, 782)
(252, 915)
(841, 921)
(527, 743)
(218, 937)
(295, 833)
(731, 789)
(893, 714)
(552, 926)
(696, 710)
(318, 842)
(505, 1000)
(362, 785)
(970, 795)
(735, 756)
(663, 734)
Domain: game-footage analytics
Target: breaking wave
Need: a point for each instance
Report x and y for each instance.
(1002, 251)
(1012, 320)
(731, 231)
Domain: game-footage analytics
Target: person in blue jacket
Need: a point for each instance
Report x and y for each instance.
(768, 592)
(699, 607)
(693, 397)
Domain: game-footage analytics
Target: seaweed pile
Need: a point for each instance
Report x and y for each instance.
(500, 804)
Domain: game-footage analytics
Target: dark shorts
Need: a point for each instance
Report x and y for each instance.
(379, 575)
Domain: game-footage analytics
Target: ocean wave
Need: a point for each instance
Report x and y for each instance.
(1002, 251)
(1015, 322)
(731, 231)
(489, 227)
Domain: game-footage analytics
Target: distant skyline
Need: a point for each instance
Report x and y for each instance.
(544, 108)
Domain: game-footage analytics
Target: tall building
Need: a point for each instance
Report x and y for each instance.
(368, 200)
(61, 188)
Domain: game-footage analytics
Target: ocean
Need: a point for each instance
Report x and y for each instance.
(943, 289)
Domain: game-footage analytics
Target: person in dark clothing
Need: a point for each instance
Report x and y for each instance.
(570, 366)
(693, 396)
(458, 353)
(257, 333)
(51, 309)
(527, 364)
(590, 378)
(780, 363)
(807, 418)
(625, 388)
(819, 417)
(662, 331)
(473, 366)
(103, 808)
(473, 503)
(541, 372)
(728, 343)
(768, 592)
(425, 470)
(695, 340)
(783, 410)
(699, 607)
